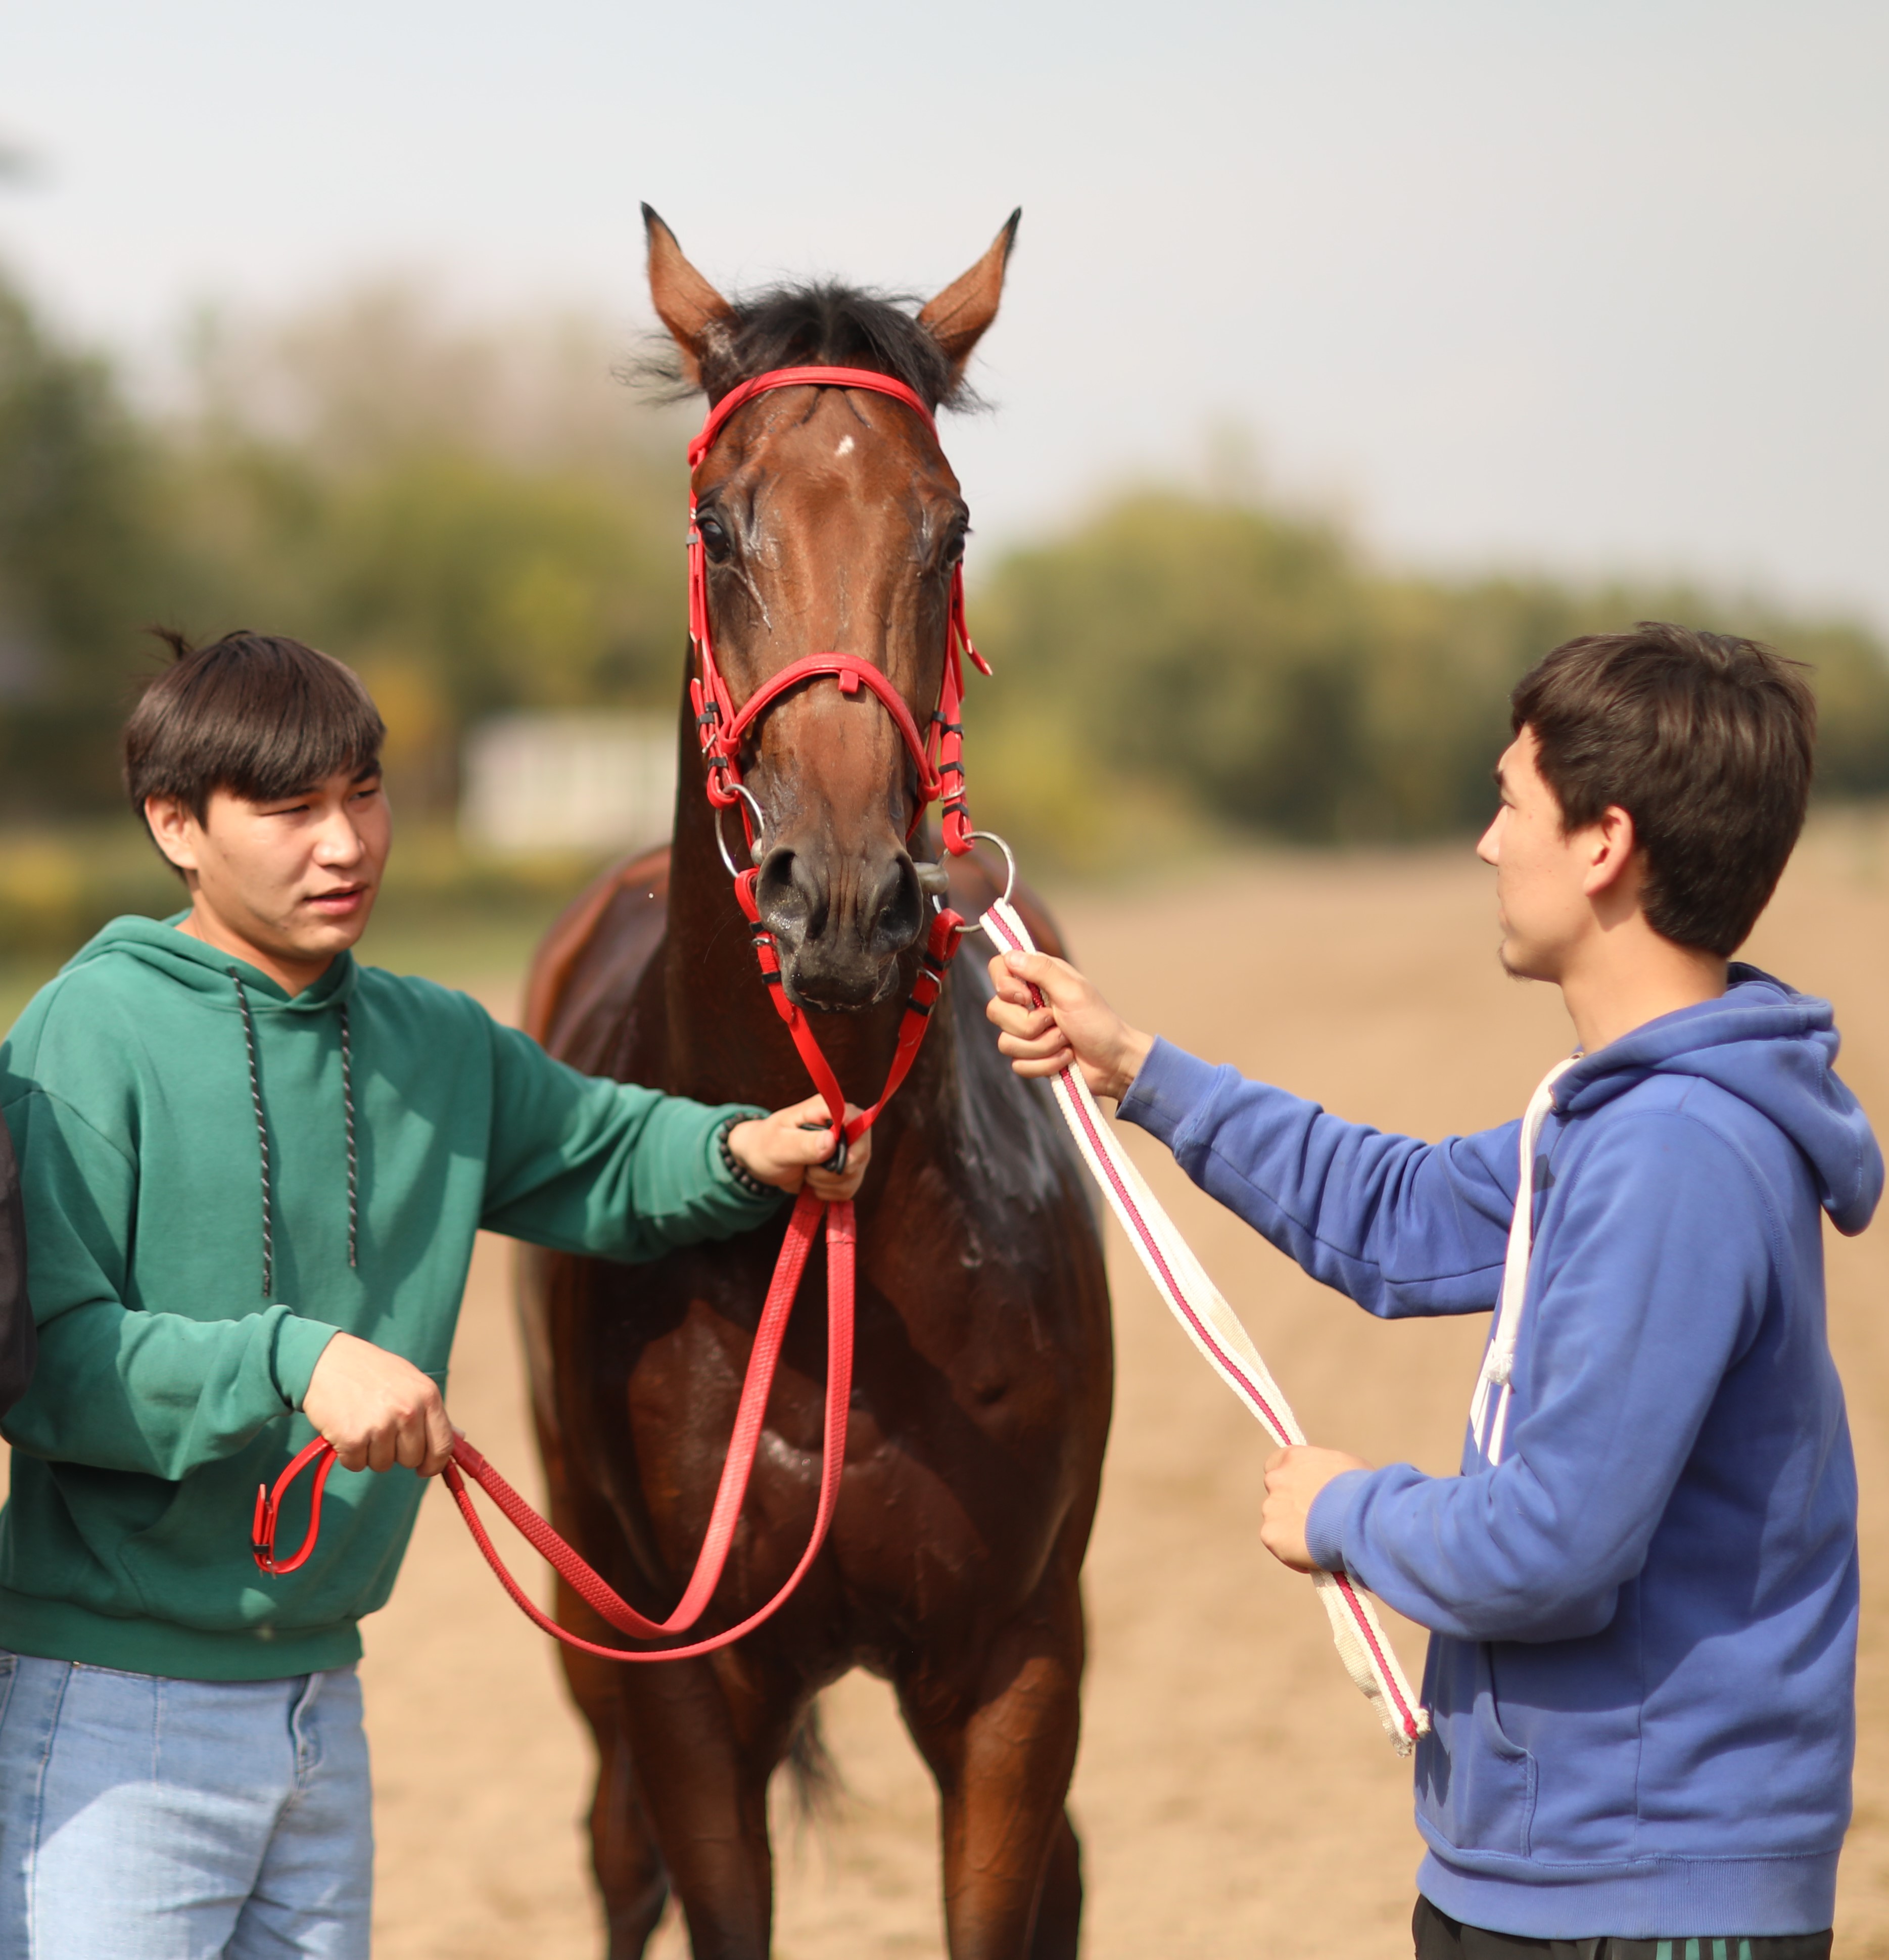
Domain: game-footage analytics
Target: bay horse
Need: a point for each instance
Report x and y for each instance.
(830, 521)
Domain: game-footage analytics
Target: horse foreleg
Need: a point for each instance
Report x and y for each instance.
(1059, 1906)
(624, 1853)
(705, 1739)
(1002, 1747)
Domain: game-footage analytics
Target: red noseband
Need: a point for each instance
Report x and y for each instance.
(937, 751)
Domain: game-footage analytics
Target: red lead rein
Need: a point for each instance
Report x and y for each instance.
(938, 753)
(569, 1566)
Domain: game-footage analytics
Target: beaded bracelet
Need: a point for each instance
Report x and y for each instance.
(744, 1178)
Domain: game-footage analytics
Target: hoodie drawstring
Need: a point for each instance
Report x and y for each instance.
(262, 1136)
(348, 1109)
(1499, 1358)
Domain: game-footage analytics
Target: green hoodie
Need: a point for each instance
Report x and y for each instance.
(170, 1371)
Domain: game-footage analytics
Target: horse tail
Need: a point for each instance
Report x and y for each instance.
(818, 1785)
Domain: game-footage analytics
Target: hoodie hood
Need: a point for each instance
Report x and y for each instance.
(1771, 1047)
(208, 969)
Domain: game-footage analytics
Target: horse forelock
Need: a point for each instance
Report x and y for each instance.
(820, 323)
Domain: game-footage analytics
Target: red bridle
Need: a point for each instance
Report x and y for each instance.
(938, 752)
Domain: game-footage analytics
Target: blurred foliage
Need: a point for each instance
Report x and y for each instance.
(1189, 660)
(477, 521)
(83, 561)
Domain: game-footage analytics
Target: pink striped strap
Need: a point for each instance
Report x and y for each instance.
(1216, 1330)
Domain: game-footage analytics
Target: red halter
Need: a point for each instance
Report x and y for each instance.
(938, 752)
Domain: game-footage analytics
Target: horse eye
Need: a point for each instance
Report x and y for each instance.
(953, 553)
(716, 541)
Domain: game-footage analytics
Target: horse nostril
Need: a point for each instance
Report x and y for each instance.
(789, 898)
(898, 913)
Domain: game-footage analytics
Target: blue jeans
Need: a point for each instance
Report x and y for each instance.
(145, 1819)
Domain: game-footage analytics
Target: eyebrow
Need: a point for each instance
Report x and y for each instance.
(307, 790)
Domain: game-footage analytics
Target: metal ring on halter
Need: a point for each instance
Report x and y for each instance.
(761, 829)
(1010, 860)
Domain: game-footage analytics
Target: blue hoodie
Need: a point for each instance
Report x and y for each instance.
(1641, 1665)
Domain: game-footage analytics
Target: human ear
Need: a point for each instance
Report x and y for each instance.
(175, 828)
(1613, 853)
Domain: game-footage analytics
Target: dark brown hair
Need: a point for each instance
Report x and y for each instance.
(1704, 740)
(255, 714)
(823, 324)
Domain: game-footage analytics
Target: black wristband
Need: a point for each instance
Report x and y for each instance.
(744, 1179)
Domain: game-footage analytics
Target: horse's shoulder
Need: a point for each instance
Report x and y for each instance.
(599, 944)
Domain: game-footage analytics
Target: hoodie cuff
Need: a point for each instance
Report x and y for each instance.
(299, 1344)
(1330, 1517)
(1169, 1087)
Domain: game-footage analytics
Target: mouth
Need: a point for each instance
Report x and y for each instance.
(822, 991)
(340, 902)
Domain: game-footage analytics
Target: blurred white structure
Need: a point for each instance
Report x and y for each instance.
(578, 781)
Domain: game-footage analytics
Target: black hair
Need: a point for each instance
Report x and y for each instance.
(255, 714)
(1705, 740)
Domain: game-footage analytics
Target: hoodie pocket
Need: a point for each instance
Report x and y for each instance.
(1479, 1790)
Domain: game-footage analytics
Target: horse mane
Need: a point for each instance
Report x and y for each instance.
(818, 323)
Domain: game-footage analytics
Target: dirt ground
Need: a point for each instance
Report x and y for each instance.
(1235, 1795)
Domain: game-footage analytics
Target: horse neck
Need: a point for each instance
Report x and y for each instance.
(727, 1040)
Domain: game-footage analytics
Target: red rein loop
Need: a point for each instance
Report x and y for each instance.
(939, 754)
(269, 1505)
(570, 1566)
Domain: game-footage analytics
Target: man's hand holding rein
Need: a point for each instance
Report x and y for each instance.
(1075, 1024)
(788, 1148)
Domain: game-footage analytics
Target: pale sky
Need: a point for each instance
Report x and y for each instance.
(1600, 284)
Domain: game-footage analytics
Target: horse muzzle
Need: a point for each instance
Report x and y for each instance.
(839, 921)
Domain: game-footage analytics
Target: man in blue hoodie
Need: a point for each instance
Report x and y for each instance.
(1642, 1586)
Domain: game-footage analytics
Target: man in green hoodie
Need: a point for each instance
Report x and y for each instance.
(252, 1172)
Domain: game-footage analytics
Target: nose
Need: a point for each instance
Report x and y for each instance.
(839, 921)
(339, 841)
(1489, 845)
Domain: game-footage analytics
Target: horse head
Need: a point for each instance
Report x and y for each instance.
(830, 523)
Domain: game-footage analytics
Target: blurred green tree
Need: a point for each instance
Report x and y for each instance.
(1225, 665)
(467, 516)
(83, 563)
(470, 517)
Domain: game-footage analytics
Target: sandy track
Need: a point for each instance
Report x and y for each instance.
(1235, 1795)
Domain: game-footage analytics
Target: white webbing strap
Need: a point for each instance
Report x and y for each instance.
(1498, 1357)
(1213, 1327)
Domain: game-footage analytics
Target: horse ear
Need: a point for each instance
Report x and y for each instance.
(957, 316)
(686, 302)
